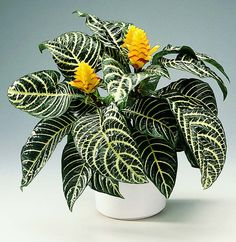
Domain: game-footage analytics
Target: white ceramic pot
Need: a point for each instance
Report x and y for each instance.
(140, 201)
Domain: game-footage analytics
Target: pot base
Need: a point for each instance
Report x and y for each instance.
(140, 201)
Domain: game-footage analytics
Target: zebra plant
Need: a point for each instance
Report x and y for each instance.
(133, 133)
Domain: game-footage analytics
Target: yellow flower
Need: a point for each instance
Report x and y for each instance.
(139, 50)
(85, 78)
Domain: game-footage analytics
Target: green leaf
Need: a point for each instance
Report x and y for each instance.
(149, 85)
(181, 145)
(193, 62)
(105, 185)
(169, 49)
(69, 49)
(79, 108)
(160, 161)
(119, 84)
(76, 173)
(204, 135)
(120, 55)
(158, 70)
(153, 117)
(41, 144)
(197, 92)
(41, 94)
(181, 50)
(191, 158)
(103, 140)
(193, 89)
(110, 33)
(213, 62)
(195, 67)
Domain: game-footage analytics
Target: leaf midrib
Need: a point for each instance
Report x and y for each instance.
(104, 136)
(151, 118)
(13, 92)
(46, 145)
(162, 176)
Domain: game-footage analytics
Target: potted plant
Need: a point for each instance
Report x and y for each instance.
(131, 134)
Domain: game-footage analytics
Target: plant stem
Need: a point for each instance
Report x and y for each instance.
(96, 100)
(137, 88)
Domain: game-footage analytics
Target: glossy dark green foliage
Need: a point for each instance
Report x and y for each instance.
(133, 133)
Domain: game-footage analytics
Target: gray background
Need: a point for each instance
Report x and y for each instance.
(40, 213)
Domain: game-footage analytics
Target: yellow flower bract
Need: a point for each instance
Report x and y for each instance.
(139, 50)
(85, 78)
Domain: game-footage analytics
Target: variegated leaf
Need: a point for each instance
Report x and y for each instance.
(148, 86)
(204, 135)
(105, 185)
(159, 70)
(195, 67)
(181, 50)
(110, 33)
(169, 49)
(190, 156)
(69, 49)
(181, 143)
(153, 117)
(42, 142)
(160, 161)
(192, 89)
(76, 173)
(192, 62)
(195, 91)
(103, 140)
(119, 84)
(120, 56)
(41, 94)
(213, 62)
(79, 108)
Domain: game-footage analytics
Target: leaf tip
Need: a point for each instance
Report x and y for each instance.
(225, 93)
(70, 206)
(144, 180)
(205, 186)
(168, 76)
(23, 185)
(121, 196)
(42, 47)
(10, 90)
(206, 183)
(80, 14)
(71, 209)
